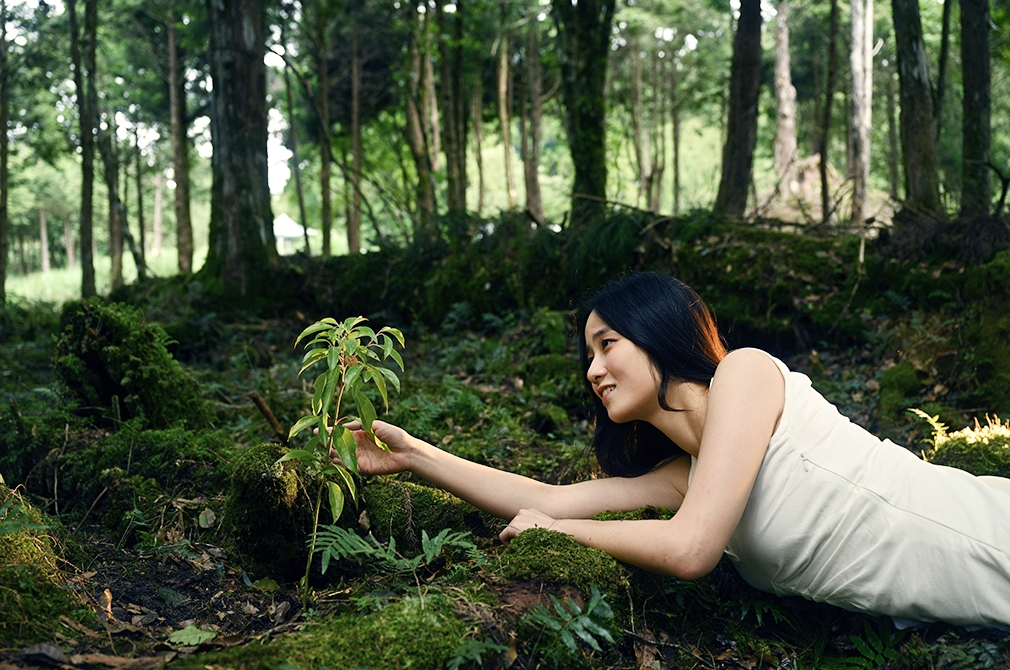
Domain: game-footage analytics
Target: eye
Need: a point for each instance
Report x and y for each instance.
(605, 343)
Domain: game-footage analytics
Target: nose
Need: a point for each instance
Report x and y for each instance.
(596, 370)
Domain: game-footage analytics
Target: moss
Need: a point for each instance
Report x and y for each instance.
(549, 418)
(980, 450)
(896, 384)
(407, 634)
(401, 510)
(119, 366)
(551, 368)
(546, 555)
(636, 515)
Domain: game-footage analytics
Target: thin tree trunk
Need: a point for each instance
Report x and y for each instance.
(140, 206)
(976, 194)
(675, 118)
(477, 112)
(531, 152)
(893, 149)
(354, 216)
(829, 95)
(640, 136)
(43, 240)
(941, 71)
(658, 130)
(157, 233)
(861, 67)
(785, 95)
(180, 150)
(454, 107)
(741, 127)
(84, 57)
(504, 121)
(110, 164)
(296, 165)
(68, 241)
(4, 134)
(325, 146)
(429, 102)
(417, 137)
(922, 189)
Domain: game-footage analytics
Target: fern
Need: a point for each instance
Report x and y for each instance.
(14, 518)
(875, 649)
(334, 542)
(571, 620)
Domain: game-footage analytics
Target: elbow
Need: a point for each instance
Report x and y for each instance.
(693, 564)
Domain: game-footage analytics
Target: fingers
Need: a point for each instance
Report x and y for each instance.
(506, 535)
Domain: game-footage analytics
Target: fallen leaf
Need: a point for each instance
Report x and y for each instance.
(207, 518)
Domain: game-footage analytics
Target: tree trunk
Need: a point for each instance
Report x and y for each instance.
(861, 66)
(675, 118)
(785, 95)
(531, 148)
(429, 99)
(741, 130)
(658, 130)
(941, 71)
(583, 45)
(454, 105)
(354, 215)
(296, 164)
(141, 274)
(416, 98)
(640, 135)
(242, 247)
(180, 149)
(829, 97)
(325, 146)
(975, 189)
(157, 232)
(110, 164)
(477, 113)
(84, 57)
(4, 135)
(504, 120)
(893, 149)
(922, 189)
(43, 239)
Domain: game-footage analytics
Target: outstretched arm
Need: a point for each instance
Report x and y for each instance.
(502, 493)
(744, 406)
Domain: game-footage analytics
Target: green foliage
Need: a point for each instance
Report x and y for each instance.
(336, 543)
(119, 367)
(32, 604)
(589, 623)
(897, 383)
(14, 518)
(876, 647)
(191, 636)
(980, 450)
(472, 651)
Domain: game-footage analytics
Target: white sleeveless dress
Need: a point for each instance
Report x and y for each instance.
(839, 516)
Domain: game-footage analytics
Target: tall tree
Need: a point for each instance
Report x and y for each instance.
(583, 44)
(242, 246)
(455, 103)
(829, 97)
(4, 132)
(785, 94)
(354, 213)
(180, 146)
(532, 125)
(83, 56)
(977, 104)
(741, 126)
(922, 188)
(418, 130)
(861, 67)
(505, 109)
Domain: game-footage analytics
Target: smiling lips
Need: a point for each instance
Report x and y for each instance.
(604, 392)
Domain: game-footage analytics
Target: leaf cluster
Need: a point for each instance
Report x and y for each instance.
(569, 620)
(338, 543)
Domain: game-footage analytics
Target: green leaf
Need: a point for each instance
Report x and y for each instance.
(349, 480)
(566, 637)
(395, 333)
(336, 500)
(380, 383)
(352, 321)
(333, 358)
(311, 330)
(366, 331)
(190, 636)
(295, 453)
(302, 424)
(311, 357)
(391, 376)
(387, 346)
(318, 391)
(366, 412)
(352, 375)
(396, 357)
(346, 448)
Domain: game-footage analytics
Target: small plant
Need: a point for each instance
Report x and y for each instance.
(335, 542)
(571, 620)
(876, 649)
(351, 352)
(14, 517)
(471, 651)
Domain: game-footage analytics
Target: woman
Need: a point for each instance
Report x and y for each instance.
(758, 466)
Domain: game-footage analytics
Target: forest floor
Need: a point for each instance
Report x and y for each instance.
(177, 592)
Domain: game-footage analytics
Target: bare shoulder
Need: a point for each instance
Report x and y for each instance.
(748, 384)
(749, 365)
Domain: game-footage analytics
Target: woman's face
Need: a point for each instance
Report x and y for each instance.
(621, 373)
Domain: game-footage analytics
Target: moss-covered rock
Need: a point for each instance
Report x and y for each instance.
(897, 383)
(401, 510)
(636, 515)
(980, 450)
(118, 365)
(546, 555)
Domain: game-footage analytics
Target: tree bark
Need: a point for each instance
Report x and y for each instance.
(180, 149)
(242, 246)
(84, 85)
(861, 67)
(157, 231)
(893, 148)
(454, 105)
(941, 71)
(922, 189)
(43, 240)
(531, 145)
(658, 130)
(68, 241)
(110, 164)
(354, 215)
(142, 246)
(785, 95)
(504, 120)
(323, 103)
(296, 164)
(741, 130)
(976, 194)
(640, 134)
(583, 45)
(829, 96)
(429, 101)
(675, 121)
(477, 114)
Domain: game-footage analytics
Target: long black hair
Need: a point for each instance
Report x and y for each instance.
(669, 321)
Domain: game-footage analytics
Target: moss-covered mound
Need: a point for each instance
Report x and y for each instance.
(980, 450)
(119, 366)
(33, 593)
(402, 510)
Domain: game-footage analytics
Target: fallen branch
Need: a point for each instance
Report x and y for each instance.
(264, 409)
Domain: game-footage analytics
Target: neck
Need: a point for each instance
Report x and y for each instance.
(686, 426)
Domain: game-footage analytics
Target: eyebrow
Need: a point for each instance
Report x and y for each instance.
(600, 332)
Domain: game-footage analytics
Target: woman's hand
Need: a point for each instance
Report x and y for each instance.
(373, 459)
(526, 518)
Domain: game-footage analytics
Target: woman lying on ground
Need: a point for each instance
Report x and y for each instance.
(758, 466)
